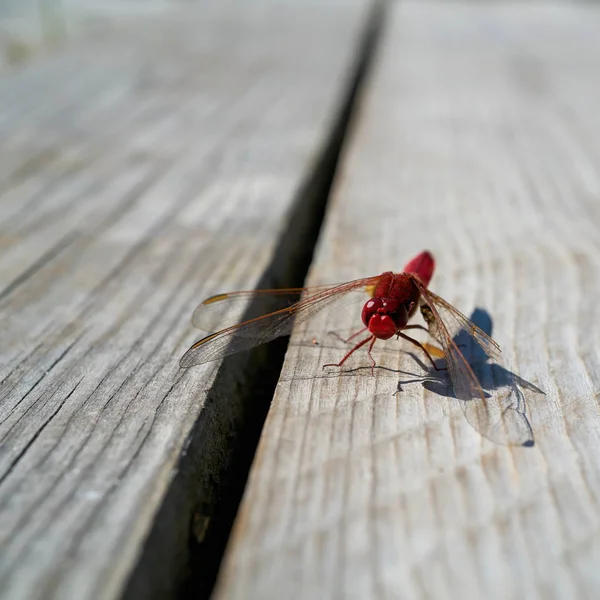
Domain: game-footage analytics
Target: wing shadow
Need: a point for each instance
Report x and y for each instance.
(503, 419)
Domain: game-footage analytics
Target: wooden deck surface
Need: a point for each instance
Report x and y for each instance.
(478, 138)
(143, 167)
(162, 154)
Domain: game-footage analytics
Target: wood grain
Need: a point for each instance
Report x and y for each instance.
(141, 169)
(478, 138)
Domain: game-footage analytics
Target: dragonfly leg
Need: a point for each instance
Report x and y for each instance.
(348, 354)
(373, 363)
(417, 326)
(416, 343)
(339, 337)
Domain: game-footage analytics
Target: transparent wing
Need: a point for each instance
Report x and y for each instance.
(263, 329)
(454, 322)
(223, 310)
(500, 414)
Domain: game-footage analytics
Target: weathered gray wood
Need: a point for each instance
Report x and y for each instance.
(141, 169)
(478, 139)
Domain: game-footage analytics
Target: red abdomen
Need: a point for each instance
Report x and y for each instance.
(422, 266)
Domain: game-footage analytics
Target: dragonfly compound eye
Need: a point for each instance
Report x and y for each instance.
(371, 307)
(381, 316)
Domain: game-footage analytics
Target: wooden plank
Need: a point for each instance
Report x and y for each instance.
(142, 168)
(478, 138)
(29, 28)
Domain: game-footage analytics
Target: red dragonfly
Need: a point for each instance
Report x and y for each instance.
(393, 300)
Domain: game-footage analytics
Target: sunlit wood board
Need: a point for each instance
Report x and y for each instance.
(142, 167)
(478, 138)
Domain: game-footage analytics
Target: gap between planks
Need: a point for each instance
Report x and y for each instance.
(294, 257)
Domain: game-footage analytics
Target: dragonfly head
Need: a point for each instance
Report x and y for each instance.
(384, 316)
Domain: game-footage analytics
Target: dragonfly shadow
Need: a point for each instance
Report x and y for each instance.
(476, 357)
(507, 410)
